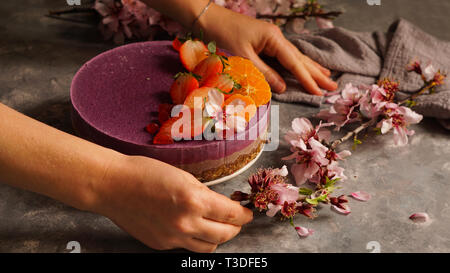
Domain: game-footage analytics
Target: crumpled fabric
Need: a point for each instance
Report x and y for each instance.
(363, 58)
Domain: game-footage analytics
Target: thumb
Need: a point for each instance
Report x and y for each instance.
(272, 77)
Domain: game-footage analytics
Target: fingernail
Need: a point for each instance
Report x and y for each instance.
(278, 84)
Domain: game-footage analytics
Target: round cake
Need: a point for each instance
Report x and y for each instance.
(116, 94)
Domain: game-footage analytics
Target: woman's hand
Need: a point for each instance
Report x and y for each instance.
(248, 37)
(165, 207)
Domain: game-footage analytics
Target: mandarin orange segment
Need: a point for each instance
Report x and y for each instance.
(249, 107)
(252, 81)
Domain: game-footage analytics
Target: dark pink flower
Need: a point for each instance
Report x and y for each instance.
(306, 209)
(286, 194)
(414, 66)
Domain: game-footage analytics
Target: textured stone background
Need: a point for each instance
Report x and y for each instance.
(39, 56)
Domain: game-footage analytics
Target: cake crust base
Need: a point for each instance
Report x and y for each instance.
(227, 169)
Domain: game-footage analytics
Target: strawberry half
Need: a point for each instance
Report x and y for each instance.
(183, 85)
(222, 81)
(192, 52)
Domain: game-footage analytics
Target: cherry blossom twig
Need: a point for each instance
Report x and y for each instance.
(327, 15)
(417, 94)
(352, 133)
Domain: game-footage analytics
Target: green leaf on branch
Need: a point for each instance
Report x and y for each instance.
(305, 191)
(356, 142)
(312, 201)
(410, 103)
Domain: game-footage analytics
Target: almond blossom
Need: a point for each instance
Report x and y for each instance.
(307, 160)
(344, 107)
(399, 118)
(302, 131)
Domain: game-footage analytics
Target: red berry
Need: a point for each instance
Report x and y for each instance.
(183, 85)
(191, 53)
(210, 66)
(152, 128)
(176, 44)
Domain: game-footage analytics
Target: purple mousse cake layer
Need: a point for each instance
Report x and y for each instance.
(116, 94)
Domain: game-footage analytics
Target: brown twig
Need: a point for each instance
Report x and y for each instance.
(352, 133)
(70, 10)
(415, 95)
(326, 15)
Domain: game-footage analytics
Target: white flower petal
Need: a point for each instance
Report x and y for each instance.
(283, 171)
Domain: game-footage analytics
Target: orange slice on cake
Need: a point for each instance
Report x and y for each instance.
(244, 106)
(250, 79)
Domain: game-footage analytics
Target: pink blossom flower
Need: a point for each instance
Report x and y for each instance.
(399, 118)
(287, 196)
(302, 131)
(280, 171)
(343, 109)
(308, 161)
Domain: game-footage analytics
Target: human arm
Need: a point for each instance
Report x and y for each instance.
(160, 205)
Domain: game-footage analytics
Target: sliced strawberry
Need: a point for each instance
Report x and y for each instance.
(152, 128)
(176, 44)
(209, 67)
(164, 112)
(192, 53)
(184, 84)
(197, 98)
(165, 136)
(223, 81)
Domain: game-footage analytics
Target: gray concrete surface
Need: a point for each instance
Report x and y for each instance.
(39, 56)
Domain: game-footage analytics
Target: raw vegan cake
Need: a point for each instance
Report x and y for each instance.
(118, 93)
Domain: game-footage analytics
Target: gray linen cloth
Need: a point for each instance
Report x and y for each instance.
(363, 58)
